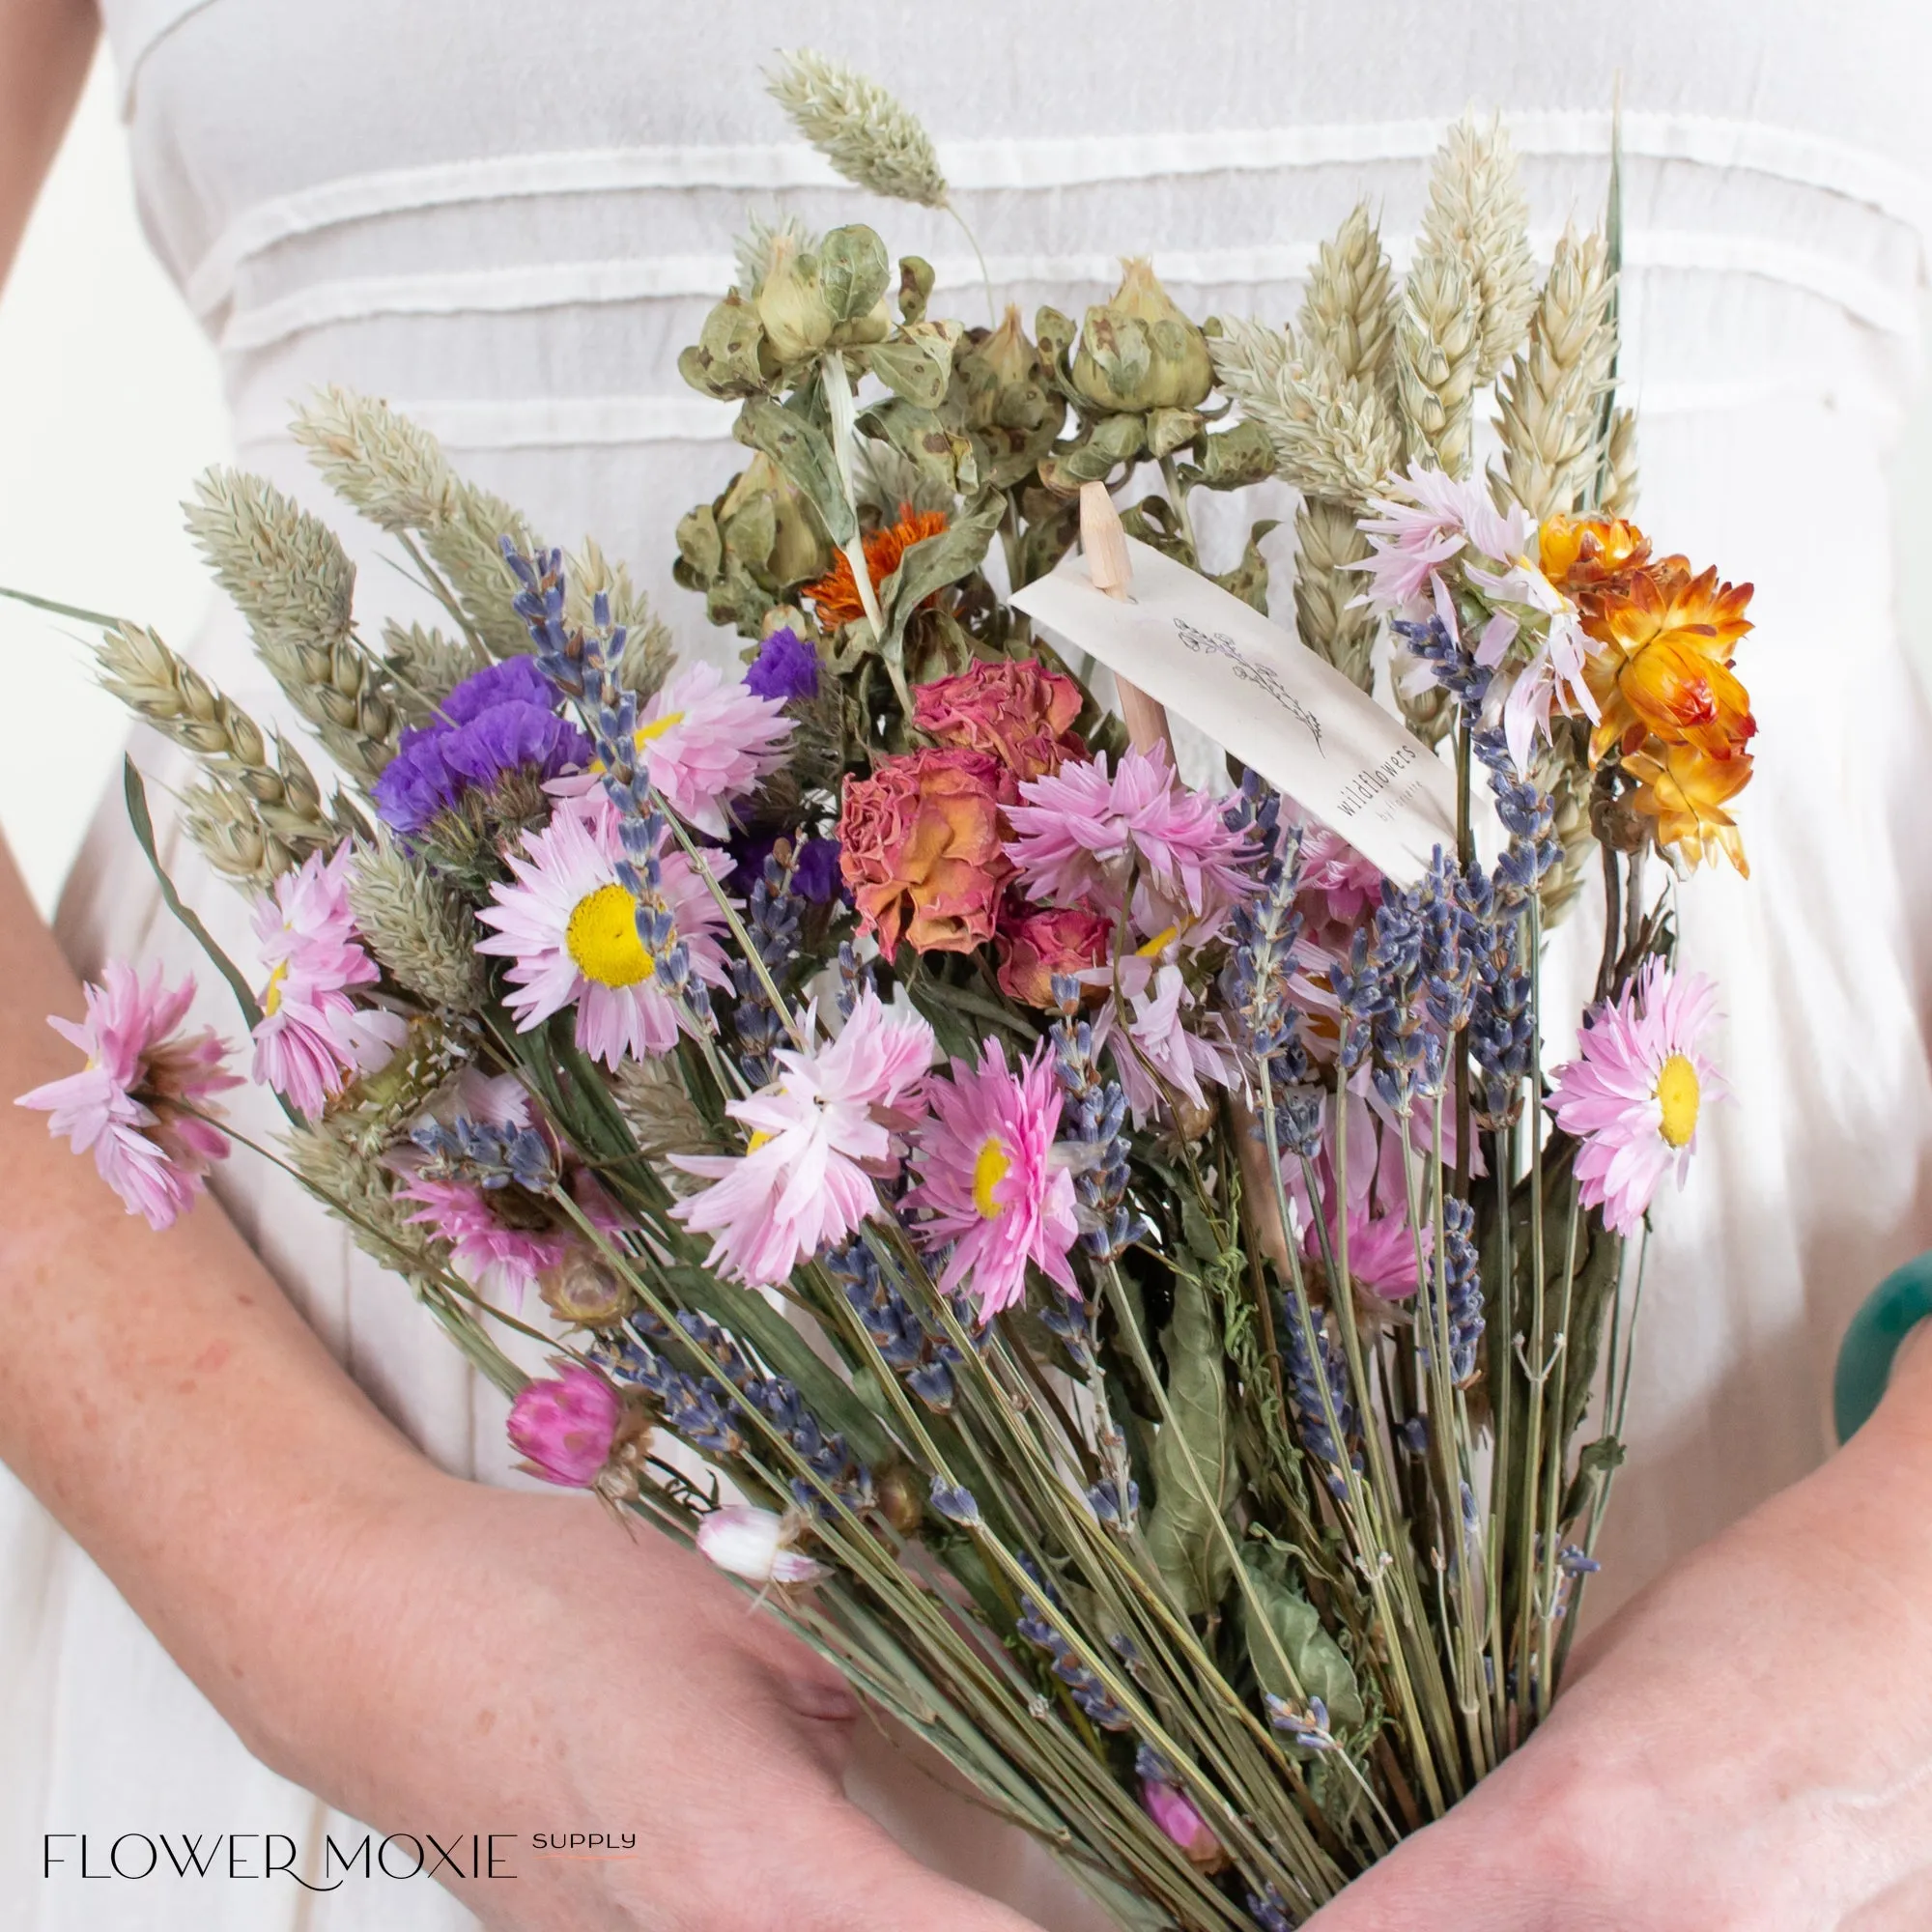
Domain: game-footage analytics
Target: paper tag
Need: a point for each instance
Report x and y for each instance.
(1266, 697)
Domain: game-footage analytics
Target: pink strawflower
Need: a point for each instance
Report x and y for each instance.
(565, 1428)
(1172, 1810)
(1381, 1251)
(988, 1179)
(1081, 830)
(820, 1134)
(1634, 1097)
(706, 743)
(1159, 1050)
(1337, 889)
(755, 1544)
(127, 1103)
(571, 930)
(497, 1258)
(313, 1036)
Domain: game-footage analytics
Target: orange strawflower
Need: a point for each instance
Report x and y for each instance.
(835, 594)
(1589, 557)
(1687, 792)
(1665, 670)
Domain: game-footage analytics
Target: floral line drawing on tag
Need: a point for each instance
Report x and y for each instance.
(1217, 645)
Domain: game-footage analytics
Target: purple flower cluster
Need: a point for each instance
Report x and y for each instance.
(787, 667)
(816, 880)
(496, 721)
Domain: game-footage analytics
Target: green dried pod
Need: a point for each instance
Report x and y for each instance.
(730, 357)
(1003, 395)
(833, 300)
(799, 550)
(581, 1290)
(1138, 352)
(791, 304)
(1234, 460)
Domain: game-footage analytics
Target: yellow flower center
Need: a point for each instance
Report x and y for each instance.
(991, 1168)
(1677, 1098)
(658, 726)
(1159, 944)
(602, 938)
(272, 993)
(758, 1138)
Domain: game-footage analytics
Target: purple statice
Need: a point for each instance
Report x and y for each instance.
(496, 721)
(785, 667)
(816, 876)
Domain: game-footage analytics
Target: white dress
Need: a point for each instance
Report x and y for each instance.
(507, 217)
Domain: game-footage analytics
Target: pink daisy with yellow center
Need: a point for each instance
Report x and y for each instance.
(706, 743)
(989, 1183)
(570, 928)
(1634, 1097)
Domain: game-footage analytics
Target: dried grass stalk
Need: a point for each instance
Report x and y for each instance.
(1326, 614)
(1477, 212)
(417, 925)
(1437, 351)
(293, 582)
(867, 135)
(1550, 397)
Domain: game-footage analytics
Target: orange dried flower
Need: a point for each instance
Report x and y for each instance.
(1687, 793)
(835, 594)
(1587, 557)
(1665, 670)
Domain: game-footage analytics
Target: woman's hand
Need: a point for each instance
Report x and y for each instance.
(1746, 1747)
(486, 1660)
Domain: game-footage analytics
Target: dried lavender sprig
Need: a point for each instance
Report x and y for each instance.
(1305, 1399)
(700, 1414)
(1454, 1278)
(772, 920)
(908, 1347)
(1449, 661)
(487, 1156)
(1082, 1682)
(824, 1452)
(1093, 1117)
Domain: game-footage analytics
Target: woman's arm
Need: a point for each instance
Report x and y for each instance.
(1747, 1745)
(423, 1652)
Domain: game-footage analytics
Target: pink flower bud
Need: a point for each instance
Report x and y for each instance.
(750, 1543)
(565, 1428)
(1174, 1812)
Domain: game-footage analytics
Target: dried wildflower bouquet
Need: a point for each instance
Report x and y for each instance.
(1106, 1267)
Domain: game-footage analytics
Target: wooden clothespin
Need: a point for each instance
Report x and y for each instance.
(1104, 544)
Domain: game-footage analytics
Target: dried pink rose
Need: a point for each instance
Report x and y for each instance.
(1042, 942)
(1014, 710)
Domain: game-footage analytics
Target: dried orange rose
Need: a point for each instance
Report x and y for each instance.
(920, 847)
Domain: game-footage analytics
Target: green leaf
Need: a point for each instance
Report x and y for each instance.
(914, 287)
(803, 452)
(142, 820)
(1169, 430)
(933, 562)
(1321, 1669)
(724, 362)
(918, 436)
(1112, 442)
(854, 272)
(1235, 459)
(1193, 1457)
(917, 363)
(1249, 579)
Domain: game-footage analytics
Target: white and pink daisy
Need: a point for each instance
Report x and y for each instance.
(706, 743)
(989, 1182)
(313, 1036)
(1161, 1050)
(1083, 831)
(495, 1256)
(570, 929)
(128, 1103)
(822, 1134)
(1634, 1097)
(1381, 1251)
(1428, 520)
